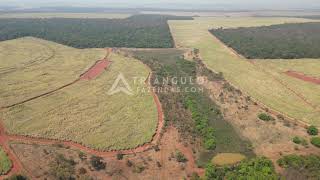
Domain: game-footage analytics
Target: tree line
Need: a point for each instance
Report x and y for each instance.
(139, 31)
(285, 41)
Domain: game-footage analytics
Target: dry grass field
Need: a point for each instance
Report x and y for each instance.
(260, 85)
(83, 112)
(309, 67)
(31, 66)
(223, 159)
(5, 163)
(66, 15)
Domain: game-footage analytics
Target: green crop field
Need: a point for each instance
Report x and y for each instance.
(31, 66)
(5, 163)
(84, 112)
(66, 15)
(240, 72)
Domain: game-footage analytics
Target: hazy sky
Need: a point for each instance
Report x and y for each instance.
(209, 4)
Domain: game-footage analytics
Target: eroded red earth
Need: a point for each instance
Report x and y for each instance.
(303, 77)
(96, 69)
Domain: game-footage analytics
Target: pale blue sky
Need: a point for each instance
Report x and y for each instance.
(210, 4)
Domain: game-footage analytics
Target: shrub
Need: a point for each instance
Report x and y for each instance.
(82, 170)
(308, 167)
(158, 164)
(62, 168)
(129, 163)
(210, 144)
(211, 172)
(315, 141)
(180, 157)
(156, 148)
(119, 156)
(82, 156)
(138, 168)
(304, 142)
(265, 117)
(257, 168)
(194, 176)
(97, 163)
(297, 140)
(300, 140)
(312, 130)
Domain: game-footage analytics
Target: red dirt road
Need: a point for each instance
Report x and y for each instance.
(303, 77)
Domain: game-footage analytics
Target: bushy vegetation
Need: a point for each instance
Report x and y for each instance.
(315, 141)
(97, 163)
(265, 117)
(194, 114)
(301, 167)
(285, 41)
(312, 130)
(201, 124)
(257, 168)
(141, 31)
(300, 140)
(62, 168)
(5, 163)
(180, 157)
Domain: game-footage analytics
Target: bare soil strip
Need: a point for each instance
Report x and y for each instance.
(95, 70)
(303, 77)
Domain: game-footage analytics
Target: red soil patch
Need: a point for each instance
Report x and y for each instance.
(303, 77)
(95, 70)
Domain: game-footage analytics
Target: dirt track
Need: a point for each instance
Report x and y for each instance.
(92, 72)
(303, 77)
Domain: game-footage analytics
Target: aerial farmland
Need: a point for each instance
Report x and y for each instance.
(103, 93)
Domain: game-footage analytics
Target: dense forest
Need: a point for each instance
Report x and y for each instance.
(285, 41)
(140, 31)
